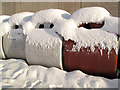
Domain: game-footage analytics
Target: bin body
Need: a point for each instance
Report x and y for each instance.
(14, 44)
(90, 62)
(44, 47)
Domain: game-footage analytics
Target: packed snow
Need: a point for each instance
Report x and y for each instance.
(17, 74)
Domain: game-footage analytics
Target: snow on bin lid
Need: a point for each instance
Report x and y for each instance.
(4, 18)
(90, 14)
(19, 18)
(49, 15)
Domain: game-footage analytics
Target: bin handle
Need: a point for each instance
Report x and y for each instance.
(2, 50)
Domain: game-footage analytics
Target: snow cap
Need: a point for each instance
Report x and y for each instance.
(20, 17)
(49, 15)
(90, 14)
(4, 18)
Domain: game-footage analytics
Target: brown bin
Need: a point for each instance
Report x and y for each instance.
(90, 62)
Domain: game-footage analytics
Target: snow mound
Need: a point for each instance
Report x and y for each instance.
(49, 15)
(16, 70)
(90, 14)
(20, 18)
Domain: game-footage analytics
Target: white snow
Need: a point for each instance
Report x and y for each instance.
(17, 74)
(95, 37)
(20, 18)
(4, 18)
(4, 28)
(90, 14)
(49, 15)
(65, 28)
(111, 25)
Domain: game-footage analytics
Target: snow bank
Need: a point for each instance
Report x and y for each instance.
(16, 70)
(90, 14)
(49, 15)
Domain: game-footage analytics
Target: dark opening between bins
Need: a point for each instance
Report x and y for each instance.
(91, 25)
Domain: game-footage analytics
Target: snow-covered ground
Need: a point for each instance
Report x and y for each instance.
(16, 73)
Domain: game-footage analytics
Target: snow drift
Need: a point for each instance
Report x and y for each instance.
(16, 70)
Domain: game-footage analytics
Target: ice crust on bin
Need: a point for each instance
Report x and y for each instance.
(90, 14)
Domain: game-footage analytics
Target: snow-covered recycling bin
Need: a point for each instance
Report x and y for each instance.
(92, 49)
(14, 40)
(43, 44)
